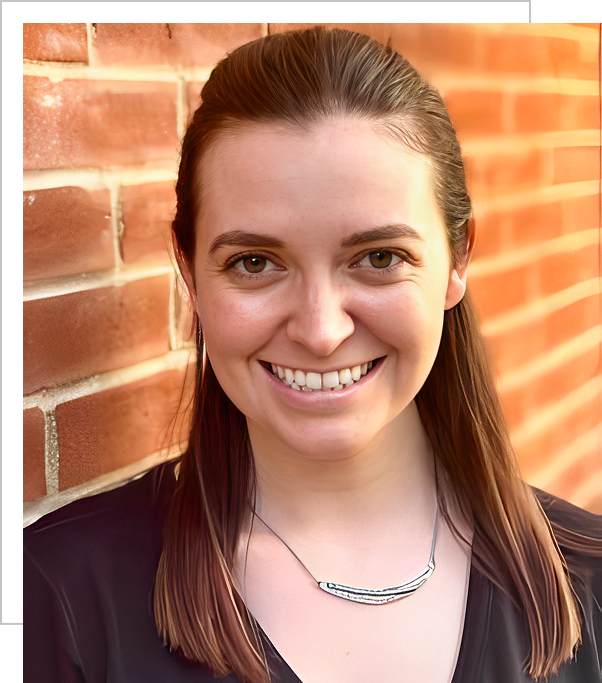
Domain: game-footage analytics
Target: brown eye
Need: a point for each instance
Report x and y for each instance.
(254, 264)
(380, 259)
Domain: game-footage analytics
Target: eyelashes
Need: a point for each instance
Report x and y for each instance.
(252, 265)
(383, 261)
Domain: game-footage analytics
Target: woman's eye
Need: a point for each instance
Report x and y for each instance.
(380, 259)
(254, 265)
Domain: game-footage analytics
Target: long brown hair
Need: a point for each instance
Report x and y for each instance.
(299, 78)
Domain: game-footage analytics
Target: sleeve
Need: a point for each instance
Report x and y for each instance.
(49, 651)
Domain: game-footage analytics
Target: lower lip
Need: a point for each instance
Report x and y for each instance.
(319, 398)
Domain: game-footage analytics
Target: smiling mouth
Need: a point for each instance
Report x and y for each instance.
(336, 380)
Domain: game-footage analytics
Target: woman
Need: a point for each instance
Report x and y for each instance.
(349, 508)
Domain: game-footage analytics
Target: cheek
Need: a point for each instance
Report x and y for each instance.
(407, 317)
(233, 321)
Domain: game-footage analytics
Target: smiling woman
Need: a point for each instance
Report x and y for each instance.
(349, 473)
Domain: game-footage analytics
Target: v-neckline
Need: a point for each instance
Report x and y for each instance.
(474, 633)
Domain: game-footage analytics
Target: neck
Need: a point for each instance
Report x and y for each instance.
(388, 481)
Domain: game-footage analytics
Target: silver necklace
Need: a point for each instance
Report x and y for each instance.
(369, 596)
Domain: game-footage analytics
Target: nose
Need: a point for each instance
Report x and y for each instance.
(320, 321)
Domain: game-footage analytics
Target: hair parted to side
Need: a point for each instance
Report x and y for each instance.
(299, 78)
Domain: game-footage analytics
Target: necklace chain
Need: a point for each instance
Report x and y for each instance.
(368, 596)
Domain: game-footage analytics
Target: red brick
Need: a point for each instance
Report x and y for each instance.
(572, 164)
(170, 44)
(492, 234)
(498, 293)
(34, 477)
(55, 42)
(560, 271)
(572, 320)
(580, 213)
(66, 230)
(540, 223)
(77, 335)
(97, 123)
(526, 399)
(508, 172)
(475, 112)
(536, 224)
(548, 112)
(433, 48)
(593, 504)
(147, 212)
(104, 431)
(535, 452)
(575, 474)
(537, 56)
(526, 342)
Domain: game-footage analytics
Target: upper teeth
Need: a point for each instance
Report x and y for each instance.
(311, 381)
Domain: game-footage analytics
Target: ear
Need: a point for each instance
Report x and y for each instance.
(456, 287)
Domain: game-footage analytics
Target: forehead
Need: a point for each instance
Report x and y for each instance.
(334, 177)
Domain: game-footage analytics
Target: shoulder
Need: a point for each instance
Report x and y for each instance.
(563, 514)
(579, 536)
(91, 529)
(577, 532)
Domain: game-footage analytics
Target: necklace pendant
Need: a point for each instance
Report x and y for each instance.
(377, 596)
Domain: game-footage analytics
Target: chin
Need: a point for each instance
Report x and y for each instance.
(335, 441)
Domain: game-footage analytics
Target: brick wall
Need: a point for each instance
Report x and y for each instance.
(106, 342)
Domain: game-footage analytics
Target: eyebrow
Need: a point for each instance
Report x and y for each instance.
(240, 238)
(385, 232)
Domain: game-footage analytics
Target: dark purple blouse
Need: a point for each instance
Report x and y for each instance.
(89, 570)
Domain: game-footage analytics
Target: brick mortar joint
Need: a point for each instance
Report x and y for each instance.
(48, 399)
(60, 71)
(34, 290)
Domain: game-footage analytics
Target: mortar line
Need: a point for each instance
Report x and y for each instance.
(512, 259)
(90, 34)
(505, 144)
(95, 178)
(51, 448)
(560, 460)
(550, 414)
(542, 307)
(48, 399)
(83, 282)
(588, 490)
(550, 360)
(182, 107)
(521, 199)
(33, 510)
(447, 82)
(63, 71)
(116, 225)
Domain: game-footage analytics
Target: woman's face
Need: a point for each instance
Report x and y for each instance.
(320, 252)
